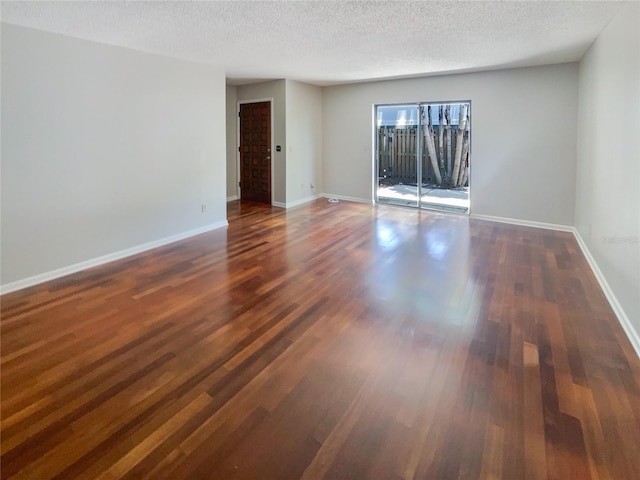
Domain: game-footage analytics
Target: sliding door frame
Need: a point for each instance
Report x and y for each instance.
(419, 147)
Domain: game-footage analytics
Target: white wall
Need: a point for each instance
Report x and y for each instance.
(608, 176)
(273, 89)
(523, 137)
(304, 140)
(103, 149)
(232, 142)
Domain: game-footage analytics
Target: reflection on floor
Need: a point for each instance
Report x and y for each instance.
(452, 200)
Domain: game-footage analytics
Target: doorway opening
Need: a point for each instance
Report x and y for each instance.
(255, 152)
(423, 153)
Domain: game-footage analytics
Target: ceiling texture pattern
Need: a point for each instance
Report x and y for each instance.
(331, 42)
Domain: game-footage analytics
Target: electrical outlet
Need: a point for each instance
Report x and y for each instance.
(204, 207)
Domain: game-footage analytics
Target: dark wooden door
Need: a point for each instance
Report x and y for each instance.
(255, 152)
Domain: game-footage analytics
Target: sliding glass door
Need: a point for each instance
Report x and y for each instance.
(422, 155)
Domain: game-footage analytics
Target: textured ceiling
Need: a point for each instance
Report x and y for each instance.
(328, 42)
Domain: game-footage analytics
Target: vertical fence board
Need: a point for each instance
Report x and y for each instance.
(397, 154)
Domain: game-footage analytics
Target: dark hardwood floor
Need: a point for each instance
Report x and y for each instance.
(328, 341)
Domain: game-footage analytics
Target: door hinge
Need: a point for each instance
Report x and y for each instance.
(240, 184)
(238, 148)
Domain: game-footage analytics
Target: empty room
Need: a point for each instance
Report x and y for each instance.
(320, 240)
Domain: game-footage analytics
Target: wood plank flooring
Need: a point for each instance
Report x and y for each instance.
(328, 341)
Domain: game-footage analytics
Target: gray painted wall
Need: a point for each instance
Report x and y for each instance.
(608, 176)
(523, 137)
(103, 149)
(232, 142)
(304, 140)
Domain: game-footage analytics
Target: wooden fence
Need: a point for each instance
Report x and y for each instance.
(397, 155)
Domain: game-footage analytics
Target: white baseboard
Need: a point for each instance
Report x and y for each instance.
(627, 326)
(94, 262)
(294, 203)
(232, 198)
(347, 199)
(524, 223)
(302, 201)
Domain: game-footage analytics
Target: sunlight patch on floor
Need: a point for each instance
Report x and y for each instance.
(446, 199)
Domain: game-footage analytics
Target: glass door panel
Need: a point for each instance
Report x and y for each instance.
(397, 154)
(445, 136)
